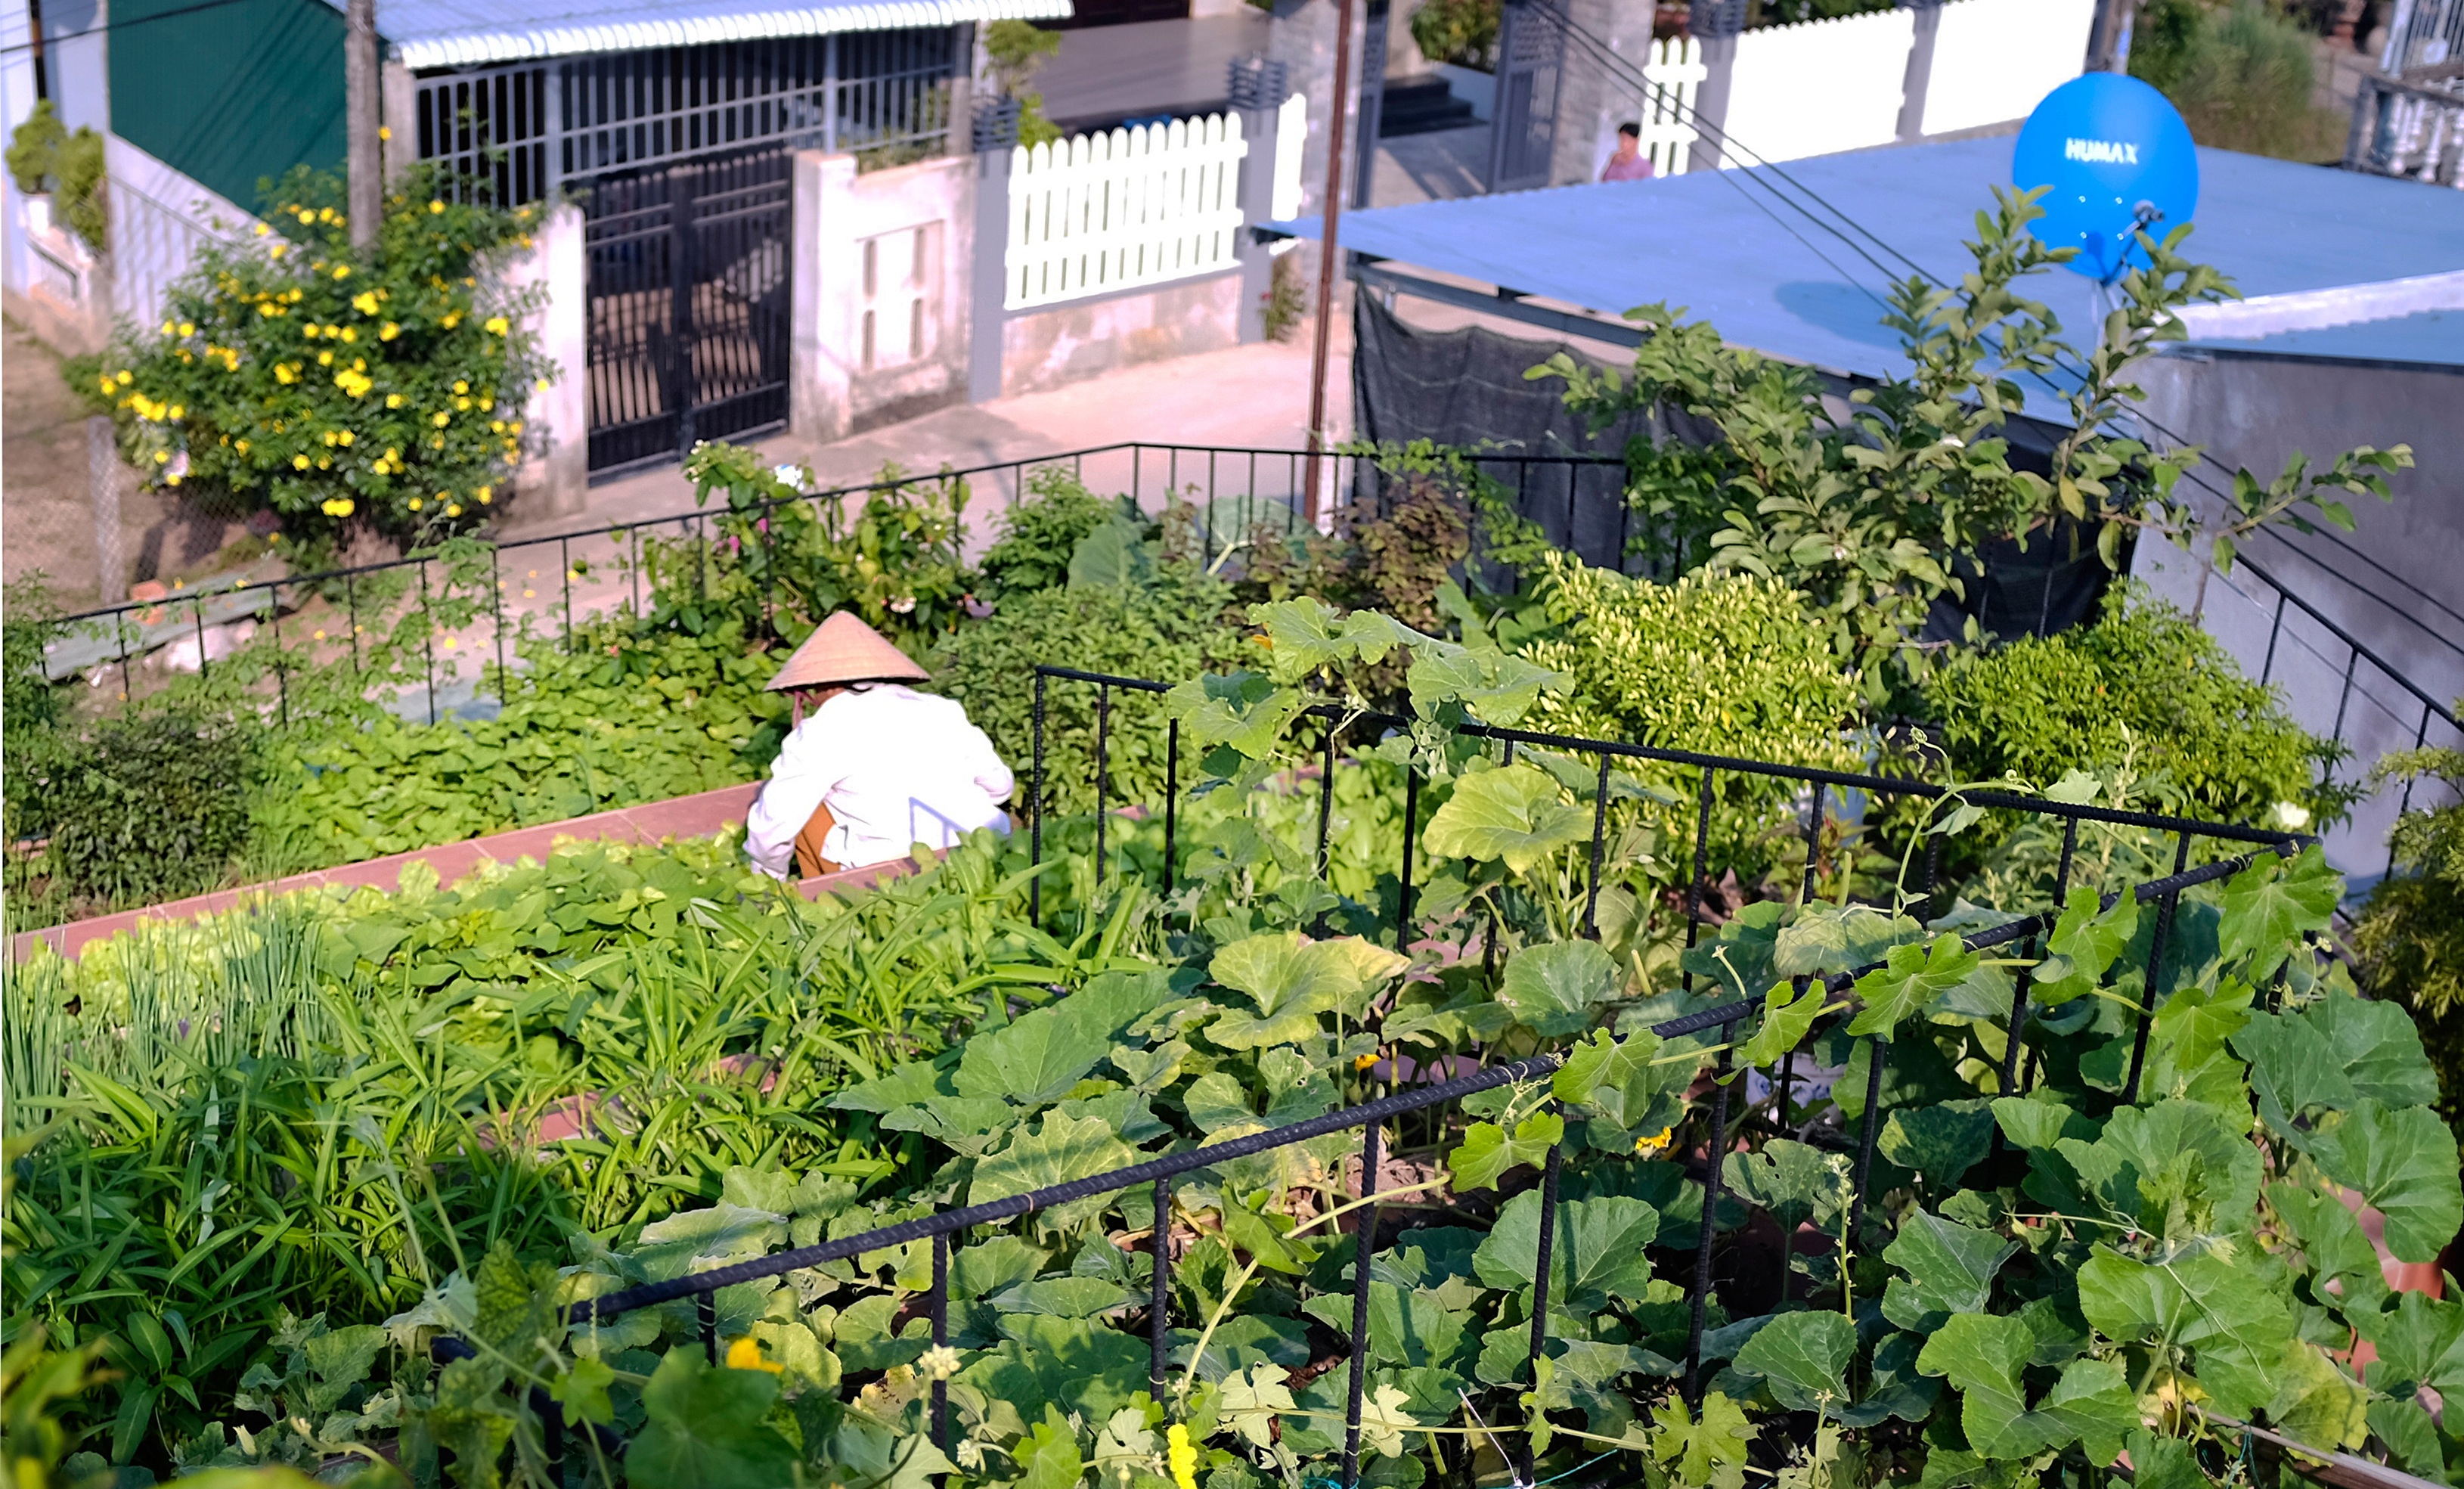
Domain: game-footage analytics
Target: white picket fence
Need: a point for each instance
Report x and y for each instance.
(1996, 60)
(1820, 86)
(1673, 73)
(1129, 208)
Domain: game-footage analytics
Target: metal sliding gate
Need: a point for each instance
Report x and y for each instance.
(679, 159)
(688, 304)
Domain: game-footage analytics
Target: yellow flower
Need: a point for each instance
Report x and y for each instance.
(385, 131)
(276, 251)
(1360, 1062)
(451, 319)
(441, 418)
(1182, 1454)
(312, 330)
(452, 509)
(285, 372)
(341, 271)
(436, 207)
(268, 310)
(1653, 1144)
(394, 400)
(744, 1354)
(166, 327)
(497, 325)
(188, 328)
(324, 359)
(328, 436)
(449, 642)
(416, 504)
(298, 462)
(484, 495)
(350, 335)
(161, 456)
(335, 507)
(179, 411)
(241, 446)
(388, 332)
(344, 437)
(365, 302)
(463, 405)
(125, 377)
(262, 230)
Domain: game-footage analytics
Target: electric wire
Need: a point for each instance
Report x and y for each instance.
(1772, 178)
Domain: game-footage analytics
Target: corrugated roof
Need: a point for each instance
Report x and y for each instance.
(433, 33)
(1706, 242)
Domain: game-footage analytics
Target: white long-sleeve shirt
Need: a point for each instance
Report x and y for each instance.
(896, 767)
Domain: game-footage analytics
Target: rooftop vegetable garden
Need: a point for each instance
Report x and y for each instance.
(1451, 1013)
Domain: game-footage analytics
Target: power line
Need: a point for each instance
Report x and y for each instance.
(1765, 173)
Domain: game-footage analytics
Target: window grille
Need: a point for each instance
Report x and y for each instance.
(514, 133)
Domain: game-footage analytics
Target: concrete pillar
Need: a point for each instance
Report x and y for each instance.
(1301, 37)
(398, 104)
(555, 477)
(1257, 205)
(1912, 96)
(989, 271)
(102, 476)
(1716, 24)
(1593, 96)
(819, 391)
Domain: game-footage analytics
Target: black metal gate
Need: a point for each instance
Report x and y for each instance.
(688, 304)
(1523, 130)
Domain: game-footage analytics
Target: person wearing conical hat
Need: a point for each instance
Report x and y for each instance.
(873, 767)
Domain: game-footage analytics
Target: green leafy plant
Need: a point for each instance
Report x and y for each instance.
(2410, 935)
(2241, 72)
(43, 156)
(2147, 682)
(1865, 513)
(1460, 32)
(1017, 49)
(318, 382)
(138, 809)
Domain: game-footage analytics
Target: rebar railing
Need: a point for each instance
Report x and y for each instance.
(945, 1228)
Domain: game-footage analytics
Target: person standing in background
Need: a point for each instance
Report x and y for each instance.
(1628, 162)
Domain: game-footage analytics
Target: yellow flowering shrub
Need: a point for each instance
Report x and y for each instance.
(330, 386)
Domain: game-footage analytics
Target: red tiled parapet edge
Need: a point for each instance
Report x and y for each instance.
(701, 816)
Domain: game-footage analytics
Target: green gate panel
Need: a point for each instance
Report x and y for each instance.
(233, 94)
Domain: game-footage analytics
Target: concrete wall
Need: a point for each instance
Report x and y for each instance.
(2257, 410)
(554, 479)
(834, 388)
(1061, 344)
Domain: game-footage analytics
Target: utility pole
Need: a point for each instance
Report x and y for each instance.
(1337, 126)
(361, 141)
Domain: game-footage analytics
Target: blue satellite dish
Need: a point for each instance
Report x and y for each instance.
(2119, 160)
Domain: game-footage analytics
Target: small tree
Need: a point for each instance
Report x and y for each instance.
(385, 389)
(1017, 49)
(43, 156)
(1865, 509)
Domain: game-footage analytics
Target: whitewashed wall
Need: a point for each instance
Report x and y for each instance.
(1995, 60)
(1124, 208)
(1820, 87)
(160, 219)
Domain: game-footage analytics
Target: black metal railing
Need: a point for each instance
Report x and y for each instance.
(1578, 502)
(944, 1229)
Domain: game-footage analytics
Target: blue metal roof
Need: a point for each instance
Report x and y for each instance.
(1706, 242)
(2435, 336)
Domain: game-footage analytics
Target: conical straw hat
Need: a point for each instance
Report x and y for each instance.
(846, 650)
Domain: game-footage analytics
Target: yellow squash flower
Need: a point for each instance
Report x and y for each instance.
(744, 1354)
(1181, 1454)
